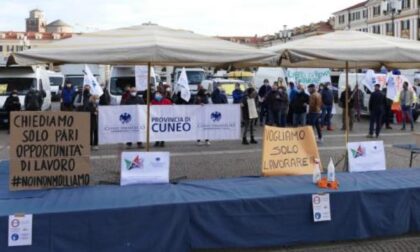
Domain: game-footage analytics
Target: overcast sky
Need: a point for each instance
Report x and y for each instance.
(212, 17)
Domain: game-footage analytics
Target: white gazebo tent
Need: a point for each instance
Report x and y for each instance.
(342, 49)
(146, 44)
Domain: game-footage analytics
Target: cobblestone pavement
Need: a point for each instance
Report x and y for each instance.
(224, 159)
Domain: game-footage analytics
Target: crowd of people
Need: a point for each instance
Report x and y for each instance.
(274, 105)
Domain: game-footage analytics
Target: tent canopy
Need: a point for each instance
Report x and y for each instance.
(360, 49)
(141, 45)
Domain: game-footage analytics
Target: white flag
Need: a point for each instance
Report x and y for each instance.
(370, 80)
(183, 86)
(331, 171)
(89, 79)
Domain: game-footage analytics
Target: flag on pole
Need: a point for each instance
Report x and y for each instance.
(89, 79)
(370, 80)
(183, 85)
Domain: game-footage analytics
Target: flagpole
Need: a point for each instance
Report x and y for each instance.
(347, 116)
(148, 108)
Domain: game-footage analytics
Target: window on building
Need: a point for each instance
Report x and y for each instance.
(376, 29)
(406, 4)
(1, 48)
(341, 19)
(376, 10)
(365, 13)
(405, 25)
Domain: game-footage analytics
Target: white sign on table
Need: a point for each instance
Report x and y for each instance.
(144, 168)
(366, 156)
(321, 207)
(20, 230)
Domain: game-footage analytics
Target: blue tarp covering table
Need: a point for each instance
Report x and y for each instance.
(238, 212)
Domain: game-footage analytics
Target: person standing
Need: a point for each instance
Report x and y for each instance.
(377, 103)
(202, 98)
(262, 93)
(315, 104)
(67, 97)
(134, 99)
(299, 105)
(160, 99)
(350, 111)
(126, 94)
(237, 94)
(105, 98)
(248, 100)
(33, 100)
(407, 101)
(12, 103)
(292, 95)
(327, 106)
(92, 107)
(277, 102)
(217, 96)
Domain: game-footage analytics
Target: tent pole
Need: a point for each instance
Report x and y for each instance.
(346, 120)
(148, 108)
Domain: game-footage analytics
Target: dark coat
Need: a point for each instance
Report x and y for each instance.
(12, 104)
(134, 100)
(327, 97)
(277, 101)
(300, 102)
(377, 102)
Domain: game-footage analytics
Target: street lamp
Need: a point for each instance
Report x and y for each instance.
(285, 35)
(393, 8)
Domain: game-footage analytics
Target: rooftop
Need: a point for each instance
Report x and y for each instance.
(361, 4)
(58, 22)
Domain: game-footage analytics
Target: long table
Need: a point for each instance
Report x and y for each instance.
(227, 213)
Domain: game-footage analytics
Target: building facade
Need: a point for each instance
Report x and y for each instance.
(373, 16)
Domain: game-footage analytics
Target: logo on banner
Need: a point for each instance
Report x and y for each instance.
(125, 118)
(359, 152)
(216, 116)
(136, 163)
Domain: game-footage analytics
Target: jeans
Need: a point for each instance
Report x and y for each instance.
(248, 126)
(407, 111)
(313, 120)
(351, 117)
(263, 112)
(375, 120)
(326, 116)
(299, 119)
(94, 130)
(277, 118)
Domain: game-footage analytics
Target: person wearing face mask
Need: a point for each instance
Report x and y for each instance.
(33, 100)
(67, 97)
(93, 109)
(134, 99)
(105, 98)
(125, 95)
(299, 104)
(237, 94)
(217, 96)
(12, 103)
(160, 99)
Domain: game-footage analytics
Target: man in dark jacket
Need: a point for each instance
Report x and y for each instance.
(377, 103)
(277, 103)
(12, 103)
(327, 105)
(202, 96)
(262, 92)
(67, 96)
(33, 100)
(299, 105)
(217, 96)
(105, 98)
(388, 115)
(247, 100)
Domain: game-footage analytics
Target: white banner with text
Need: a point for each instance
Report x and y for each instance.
(127, 123)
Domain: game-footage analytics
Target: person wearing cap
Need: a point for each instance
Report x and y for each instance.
(377, 103)
(315, 104)
(262, 93)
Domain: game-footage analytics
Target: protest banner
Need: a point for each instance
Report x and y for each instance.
(119, 124)
(306, 76)
(289, 151)
(49, 149)
(366, 156)
(144, 168)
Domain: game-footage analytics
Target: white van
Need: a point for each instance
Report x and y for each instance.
(195, 77)
(121, 76)
(56, 82)
(22, 79)
(73, 73)
(272, 74)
